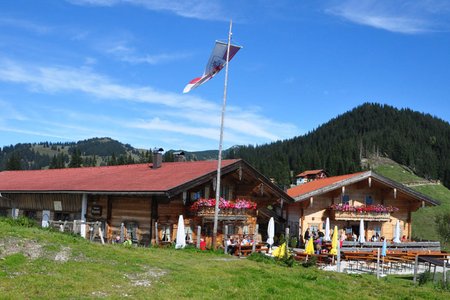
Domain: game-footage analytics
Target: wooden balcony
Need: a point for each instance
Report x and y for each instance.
(356, 216)
(225, 213)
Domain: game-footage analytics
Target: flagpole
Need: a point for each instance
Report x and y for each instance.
(219, 160)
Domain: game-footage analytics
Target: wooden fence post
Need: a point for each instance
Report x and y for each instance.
(122, 232)
(255, 235)
(199, 235)
(338, 259)
(225, 239)
(101, 235)
(156, 234)
(445, 271)
(378, 263)
(416, 265)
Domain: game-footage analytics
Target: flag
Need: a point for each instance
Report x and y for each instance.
(216, 62)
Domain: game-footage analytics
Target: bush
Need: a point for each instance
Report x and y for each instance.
(260, 257)
(293, 242)
(311, 262)
(281, 239)
(424, 277)
(21, 221)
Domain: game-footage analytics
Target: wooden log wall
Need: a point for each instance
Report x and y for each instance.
(69, 202)
(128, 209)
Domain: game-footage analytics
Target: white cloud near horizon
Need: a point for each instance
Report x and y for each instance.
(195, 9)
(401, 16)
(168, 112)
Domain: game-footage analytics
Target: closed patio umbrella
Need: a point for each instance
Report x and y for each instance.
(270, 233)
(309, 247)
(397, 233)
(181, 241)
(362, 233)
(327, 230)
(334, 241)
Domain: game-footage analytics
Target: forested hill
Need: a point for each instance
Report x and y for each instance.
(419, 141)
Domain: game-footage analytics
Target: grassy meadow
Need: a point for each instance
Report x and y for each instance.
(37, 263)
(423, 221)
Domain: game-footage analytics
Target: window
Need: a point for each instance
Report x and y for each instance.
(369, 200)
(313, 229)
(165, 233)
(3, 212)
(345, 199)
(60, 216)
(188, 232)
(30, 214)
(132, 228)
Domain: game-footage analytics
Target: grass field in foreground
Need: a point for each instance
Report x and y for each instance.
(36, 263)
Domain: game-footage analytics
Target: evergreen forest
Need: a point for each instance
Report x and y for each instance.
(416, 140)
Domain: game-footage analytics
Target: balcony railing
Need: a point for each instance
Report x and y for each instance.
(366, 216)
(223, 212)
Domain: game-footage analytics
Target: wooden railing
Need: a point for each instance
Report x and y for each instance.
(356, 216)
(209, 211)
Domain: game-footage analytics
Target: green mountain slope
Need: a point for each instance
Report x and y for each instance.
(423, 225)
(416, 140)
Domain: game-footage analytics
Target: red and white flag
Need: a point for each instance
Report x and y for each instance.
(216, 63)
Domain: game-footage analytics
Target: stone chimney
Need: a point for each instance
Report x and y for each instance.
(179, 156)
(157, 158)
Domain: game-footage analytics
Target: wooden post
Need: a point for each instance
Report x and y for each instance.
(378, 263)
(255, 235)
(100, 232)
(122, 232)
(445, 271)
(74, 227)
(416, 266)
(156, 234)
(338, 259)
(287, 240)
(225, 239)
(199, 235)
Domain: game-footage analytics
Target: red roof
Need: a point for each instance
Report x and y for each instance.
(309, 172)
(126, 178)
(318, 184)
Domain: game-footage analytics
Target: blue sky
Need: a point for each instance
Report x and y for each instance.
(76, 69)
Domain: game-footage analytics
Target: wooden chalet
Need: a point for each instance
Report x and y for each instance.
(146, 199)
(347, 199)
(310, 175)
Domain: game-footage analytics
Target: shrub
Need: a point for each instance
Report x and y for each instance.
(424, 277)
(21, 221)
(311, 262)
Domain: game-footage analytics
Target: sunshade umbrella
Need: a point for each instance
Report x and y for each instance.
(327, 230)
(309, 247)
(270, 233)
(397, 233)
(181, 241)
(361, 238)
(334, 241)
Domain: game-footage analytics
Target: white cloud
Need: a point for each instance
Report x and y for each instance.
(196, 9)
(407, 17)
(164, 112)
(130, 55)
(24, 24)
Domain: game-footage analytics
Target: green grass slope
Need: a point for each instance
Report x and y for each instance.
(40, 264)
(423, 225)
